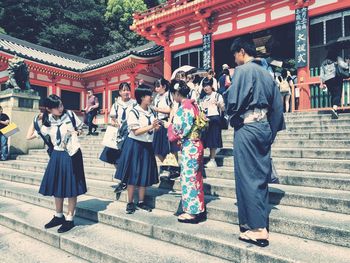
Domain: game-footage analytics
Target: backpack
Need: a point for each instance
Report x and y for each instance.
(47, 139)
(283, 85)
(328, 70)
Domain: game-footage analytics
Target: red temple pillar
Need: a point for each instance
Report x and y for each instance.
(304, 99)
(167, 63)
(132, 77)
(105, 108)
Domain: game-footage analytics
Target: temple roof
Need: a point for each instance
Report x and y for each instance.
(62, 60)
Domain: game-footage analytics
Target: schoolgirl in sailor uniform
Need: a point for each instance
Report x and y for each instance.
(162, 107)
(137, 165)
(64, 176)
(118, 113)
(213, 105)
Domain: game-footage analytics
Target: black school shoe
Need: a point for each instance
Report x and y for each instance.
(66, 226)
(55, 221)
(145, 207)
(130, 208)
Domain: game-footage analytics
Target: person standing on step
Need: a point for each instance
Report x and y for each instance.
(213, 104)
(186, 130)
(118, 113)
(162, 107)
(256, 111)
(91, 110)
(286, 85)
(64, 176)
(137, 165)
(4, 121)
(331, 79)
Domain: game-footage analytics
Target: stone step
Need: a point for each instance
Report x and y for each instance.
(316, 225)
(297, 164)
(212, 237)
(95, 151)
(290, 143)
(94, 241)
(313, 115)
(16, 247)
(104, 171)
(227, 136)
(328, 180)
(313, 135)
(307, 197)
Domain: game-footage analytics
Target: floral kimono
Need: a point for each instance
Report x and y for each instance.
(185, 131)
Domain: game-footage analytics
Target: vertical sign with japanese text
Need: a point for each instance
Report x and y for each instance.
(207, 51)
(301, 35)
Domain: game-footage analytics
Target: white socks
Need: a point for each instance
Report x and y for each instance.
(68, 217)
(59, 215)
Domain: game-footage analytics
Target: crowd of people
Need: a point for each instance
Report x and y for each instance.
(184, 115)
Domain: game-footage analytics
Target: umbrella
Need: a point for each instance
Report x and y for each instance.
(186, 68)
(341, 42)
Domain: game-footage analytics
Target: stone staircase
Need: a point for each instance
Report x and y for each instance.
(309, 220)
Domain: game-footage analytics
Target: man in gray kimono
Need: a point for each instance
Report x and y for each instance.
(256, 110)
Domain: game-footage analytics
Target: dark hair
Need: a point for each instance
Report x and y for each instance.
(141, 93)
(162, 82)
(180, 87)
(207, 82)
(226, 72)
(197, 79)
(284, 73)
(210, 71)
(332, 54)
(0, 107)
(124, 85)
(245, 43)
(51, 102)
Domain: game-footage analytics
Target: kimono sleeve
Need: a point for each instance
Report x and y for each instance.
(183, 122)
(239, 95)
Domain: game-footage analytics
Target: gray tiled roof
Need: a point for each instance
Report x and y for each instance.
(62, 60)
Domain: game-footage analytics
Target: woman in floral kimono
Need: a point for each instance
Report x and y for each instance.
(186, 129)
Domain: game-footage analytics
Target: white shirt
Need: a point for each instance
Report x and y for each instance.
(119, 107)
(144, 119)
(163, 102)
(67, 132)
(210, 103)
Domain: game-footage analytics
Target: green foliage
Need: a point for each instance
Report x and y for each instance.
(87, 28)
(119, 17)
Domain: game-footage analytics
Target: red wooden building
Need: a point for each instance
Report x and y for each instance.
(53, 72)
(199, 33)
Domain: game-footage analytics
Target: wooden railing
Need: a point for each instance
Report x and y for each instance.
(322, 99)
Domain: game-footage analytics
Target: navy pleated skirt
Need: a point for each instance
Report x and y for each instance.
(212, 135)
(64, 175)
(137, 164)
(161, 144)
(110, 155)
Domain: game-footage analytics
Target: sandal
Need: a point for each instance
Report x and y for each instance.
(260, 242)
(191, 219)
